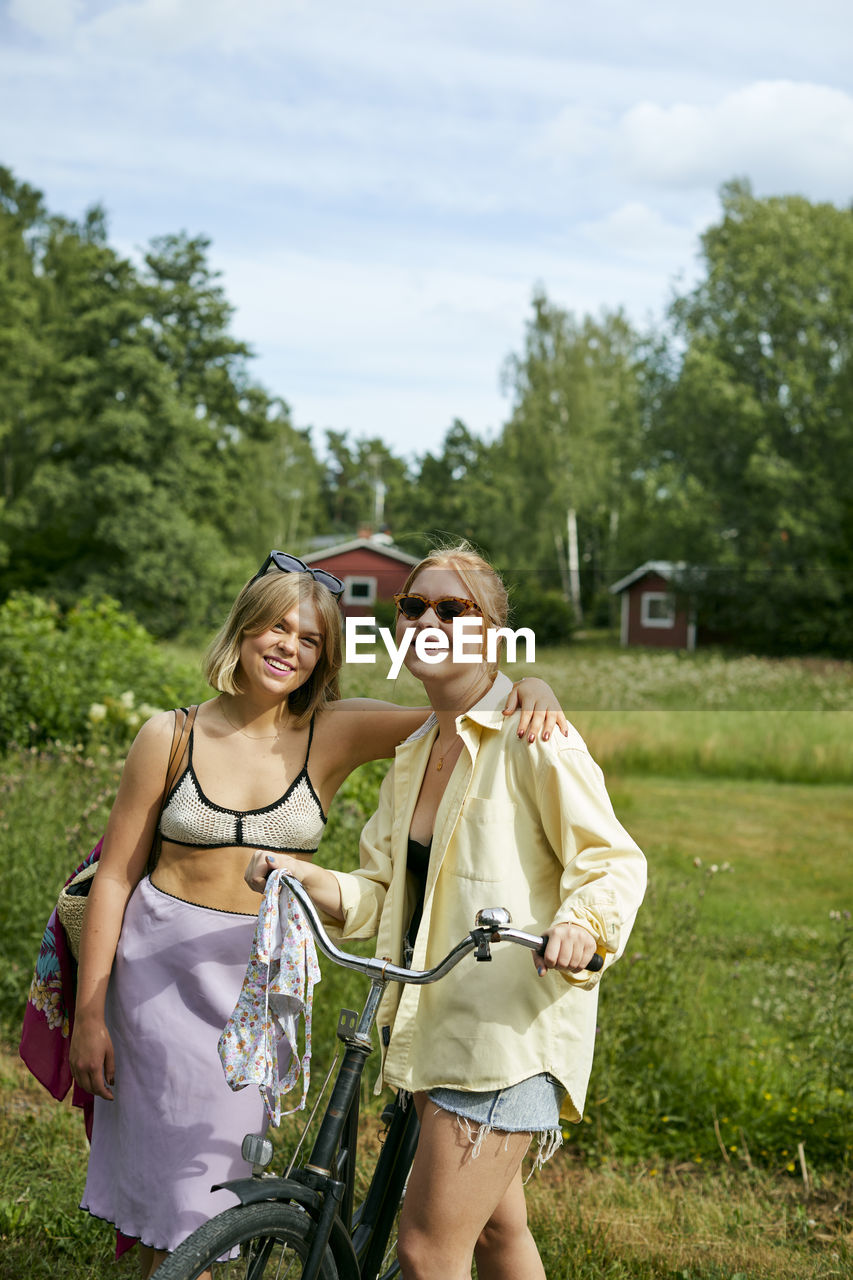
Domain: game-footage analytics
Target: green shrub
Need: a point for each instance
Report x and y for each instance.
(92, 672)
(385, 613)
(544, 610)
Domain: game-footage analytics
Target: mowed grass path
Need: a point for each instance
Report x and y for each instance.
(786, 849)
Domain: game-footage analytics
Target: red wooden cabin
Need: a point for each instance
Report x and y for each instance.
(653, 612)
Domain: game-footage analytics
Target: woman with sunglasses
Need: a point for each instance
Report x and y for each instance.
(163, 956)
(494, 1053)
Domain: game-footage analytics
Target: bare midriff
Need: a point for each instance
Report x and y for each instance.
(210, 877)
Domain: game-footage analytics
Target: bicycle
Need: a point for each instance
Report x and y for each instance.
(304, 1224)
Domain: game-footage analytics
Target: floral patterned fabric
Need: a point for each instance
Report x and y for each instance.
(259, 1042)
(49, 1015)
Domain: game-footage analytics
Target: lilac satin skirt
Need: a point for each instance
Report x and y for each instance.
(174, 1127)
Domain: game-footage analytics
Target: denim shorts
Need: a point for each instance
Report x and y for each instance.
(528, 1107)
(531, 1106)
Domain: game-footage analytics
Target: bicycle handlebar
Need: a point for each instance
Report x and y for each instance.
(480, 937)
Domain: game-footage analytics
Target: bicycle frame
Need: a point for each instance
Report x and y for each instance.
(318, 1187)
(324, 1186)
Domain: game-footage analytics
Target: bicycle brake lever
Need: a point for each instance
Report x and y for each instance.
(483, 939)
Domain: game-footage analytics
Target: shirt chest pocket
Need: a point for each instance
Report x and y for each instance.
(483, 843)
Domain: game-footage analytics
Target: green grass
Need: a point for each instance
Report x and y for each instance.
(634, 1222)
(782, 852)
(686, 715)
(782, 746)
(598, 678)
(42, 1168)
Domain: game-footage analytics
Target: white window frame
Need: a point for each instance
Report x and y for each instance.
(350, 582)
(646, 600)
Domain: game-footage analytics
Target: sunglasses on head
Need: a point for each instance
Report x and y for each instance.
(446, 608)
(292, 564)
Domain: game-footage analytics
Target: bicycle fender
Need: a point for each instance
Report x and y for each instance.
(253, 1190)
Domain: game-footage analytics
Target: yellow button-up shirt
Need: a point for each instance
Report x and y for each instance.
(524, 826)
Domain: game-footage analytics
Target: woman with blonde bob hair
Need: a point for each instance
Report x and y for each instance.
(469, 817)
(163, 954)
(258, 606)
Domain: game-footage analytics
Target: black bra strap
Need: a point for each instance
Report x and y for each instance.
(310, 739)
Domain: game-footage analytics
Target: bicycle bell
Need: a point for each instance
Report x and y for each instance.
(492, 918)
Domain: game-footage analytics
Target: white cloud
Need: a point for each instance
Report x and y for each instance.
(397, 344)
(577, 132)
(383, 183)
(786, 136)
(638, 231)
(48, 19)
(381, 318)
(167, 26)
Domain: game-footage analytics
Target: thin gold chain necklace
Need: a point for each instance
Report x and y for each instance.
(253, 737)
(442, 759)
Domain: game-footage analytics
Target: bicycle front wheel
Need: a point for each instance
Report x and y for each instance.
(273, 1241)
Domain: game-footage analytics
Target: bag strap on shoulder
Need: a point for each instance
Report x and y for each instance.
(184, 721)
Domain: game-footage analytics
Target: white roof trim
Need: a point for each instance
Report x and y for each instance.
(666, 568)
(361, 544)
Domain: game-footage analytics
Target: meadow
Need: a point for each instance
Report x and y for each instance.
(717, 1139)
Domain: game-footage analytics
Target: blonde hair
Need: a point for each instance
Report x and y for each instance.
(482, 582)
(261, 604)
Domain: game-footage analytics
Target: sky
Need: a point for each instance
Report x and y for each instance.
(384, 184)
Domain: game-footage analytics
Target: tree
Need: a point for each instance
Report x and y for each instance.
(570, 449)
(754, 444)
(457, 493)
(365, 485)
(139, 459)
(24, 355)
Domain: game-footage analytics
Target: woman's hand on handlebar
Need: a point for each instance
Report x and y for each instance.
(320, 885)
(262, 863)
(570, 947)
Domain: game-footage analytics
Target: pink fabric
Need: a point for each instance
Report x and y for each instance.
(49, 1014)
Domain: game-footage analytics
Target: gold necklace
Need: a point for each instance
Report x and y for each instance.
(442, 759)
(253, 737)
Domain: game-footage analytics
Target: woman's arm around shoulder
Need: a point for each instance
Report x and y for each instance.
(540, 710)
(362, 729)
(355, 730)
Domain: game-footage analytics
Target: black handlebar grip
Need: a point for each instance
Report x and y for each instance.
(596, 963)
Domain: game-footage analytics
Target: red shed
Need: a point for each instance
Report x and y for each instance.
(371, 569)
(652, 612)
